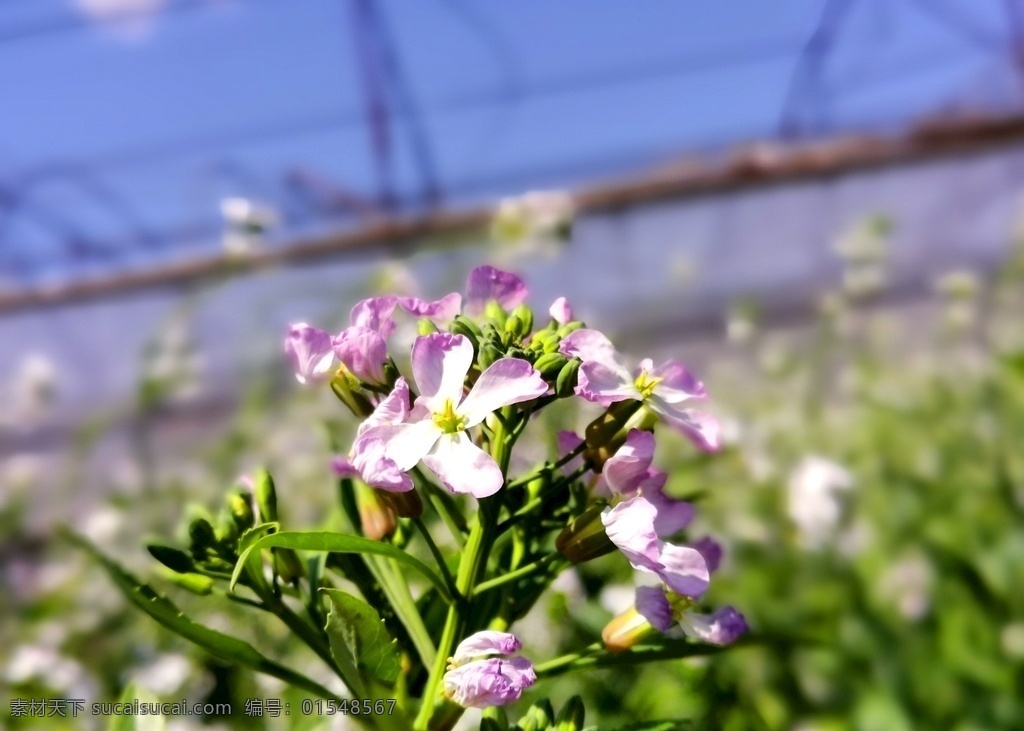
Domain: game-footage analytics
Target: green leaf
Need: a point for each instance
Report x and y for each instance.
(228, 648)
(337, 543)
(359, 642)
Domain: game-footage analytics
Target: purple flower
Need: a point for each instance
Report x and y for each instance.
(721, 627)
(711, 550)
(440, 312)
(663, 389)
(482, 683)
(487, 283)
(567, 441)
(436, 430)
(368, 459)
(560, 311)
(375, 314)
(491, 682)
(629, 471)
(363, 352)
(631, 527)
(309, 351)
(486, 642)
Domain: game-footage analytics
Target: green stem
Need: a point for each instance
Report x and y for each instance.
(474, 559)
(392, 583)
(527, 570)
(444, 505)
(537, 502)
(549, 467)
(438, 557)
(588, 659)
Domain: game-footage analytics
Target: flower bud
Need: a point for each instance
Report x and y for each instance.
(173, 558)
(266, 496)
(356, 402)
(240, 505)
(202, 535)
(377, 518)
(404, 504)
(195, 583)
(627, 630)
(568, 377)
(515, 327)
(571, 716)
(525, 315)
(585, 537)
(550, 364)
(495, 313)
(569, 327)
(604, 428)
(542, 339)
(538, 718)
(489, 353)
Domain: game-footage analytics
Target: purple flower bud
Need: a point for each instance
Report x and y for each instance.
(561, 311)
(492, 682)
(486, 642)
(363, 352)
(309, 351)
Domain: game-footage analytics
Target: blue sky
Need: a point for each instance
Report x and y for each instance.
(113, 136)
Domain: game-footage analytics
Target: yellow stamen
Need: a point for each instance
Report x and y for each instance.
(646, 384)
(448, 420)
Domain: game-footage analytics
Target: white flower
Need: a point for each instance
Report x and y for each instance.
(813, 498)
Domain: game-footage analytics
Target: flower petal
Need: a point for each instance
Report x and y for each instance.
(440, 312)
(406, 444)
(463, 467)
(486, 642)
(590, 346)
(487, 283)
(507, 381)
(627, 468)
(722, 627)
(683, 570)
(701, 428)
(560, 311)
(309, 352)
(630, 526)
(393, 409)
(654, 606)
(711, 550)
(677, 384)
(377, 469)
(363, 352)
(567, 441)
(440, 362)
(486, 683)
(375, 313)
(603, 385)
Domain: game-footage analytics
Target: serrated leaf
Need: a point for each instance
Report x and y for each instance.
(218, 644)
(337, 543)
(359, 639)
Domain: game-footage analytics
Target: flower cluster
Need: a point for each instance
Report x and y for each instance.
(479, 371)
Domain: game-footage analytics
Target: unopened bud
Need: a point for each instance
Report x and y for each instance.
(266, 495)
(240, 505)
(572, 715)
(568, 378)
(404, 504)
(603, 429)
(542, 339)
(550, 365)
(489, 353)
(569, 327)
(173, 558)
(585, 537)
(195, 583)
(627, 630)
(356, 402)
(494, 312)
(525, 316)
(202, 535)
(378, 519)
(540, 716)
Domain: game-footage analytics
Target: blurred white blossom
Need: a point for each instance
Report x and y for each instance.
(245, 223)
(813, 499)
